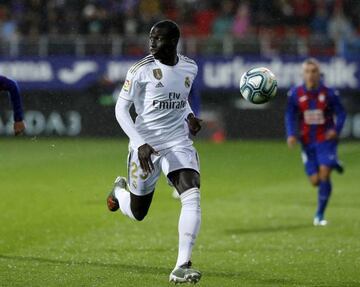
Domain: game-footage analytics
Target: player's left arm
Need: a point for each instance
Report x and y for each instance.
(194, 122)
(340, 114)
(12, 88)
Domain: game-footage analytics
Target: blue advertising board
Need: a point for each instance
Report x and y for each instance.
(69, 73)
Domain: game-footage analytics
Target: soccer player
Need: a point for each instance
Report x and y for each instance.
(11, 87)
(315, 117)
(158, 86)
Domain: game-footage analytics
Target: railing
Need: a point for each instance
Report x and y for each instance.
(115, 46)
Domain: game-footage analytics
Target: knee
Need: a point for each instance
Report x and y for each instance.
(194, 183)
(324, 173)
(189, 182)
(315, 182)
(324, 177)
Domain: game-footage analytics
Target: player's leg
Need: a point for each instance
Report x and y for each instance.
(327, 158)
(312, 169)
(182, 169)
(134, 198)
(314, 179)
(187, 183)
(134, 206)
(324, 192)
(311, 166)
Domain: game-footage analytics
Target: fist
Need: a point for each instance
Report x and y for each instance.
(19, 128)
(194, 124)
(331, 135)
(144, 154)
(291, 141)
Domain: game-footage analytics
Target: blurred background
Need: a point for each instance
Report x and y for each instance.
(70, 58)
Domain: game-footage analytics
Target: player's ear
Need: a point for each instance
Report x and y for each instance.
(174, 41)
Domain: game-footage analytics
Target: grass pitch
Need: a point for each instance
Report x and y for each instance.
(257, 230)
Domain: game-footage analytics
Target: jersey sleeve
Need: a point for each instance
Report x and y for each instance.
(12, 88)
(338, 110)
(125, 121)
(194, 98)
(291, 114)
(131, 86)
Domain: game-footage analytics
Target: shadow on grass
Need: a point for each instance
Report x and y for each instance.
(125, 267)
(268, 229)
(141, 269)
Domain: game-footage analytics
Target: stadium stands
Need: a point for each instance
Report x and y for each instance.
(266, 27)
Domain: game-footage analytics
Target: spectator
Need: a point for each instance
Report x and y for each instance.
(241, 22)
(339, 27)
(149, 12)
(130, 23)
(204, 19)
(222, 24)
(95, 19)
(303, 10)
(342, 32)
(320, 21)
(7, 26)
(285, 20)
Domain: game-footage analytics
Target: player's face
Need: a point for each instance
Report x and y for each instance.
(311, 75)
(160, 43)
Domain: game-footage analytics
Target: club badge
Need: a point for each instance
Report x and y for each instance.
(157, 74)
(187, 82)
(321, 98)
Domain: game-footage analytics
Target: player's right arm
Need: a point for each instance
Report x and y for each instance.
(291, 116)
(131, 89)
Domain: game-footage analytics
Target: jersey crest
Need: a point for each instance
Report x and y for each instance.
(157, 74)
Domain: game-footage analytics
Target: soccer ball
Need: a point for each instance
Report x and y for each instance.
(258, 85)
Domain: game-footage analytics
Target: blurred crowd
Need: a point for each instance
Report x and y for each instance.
(336, 20)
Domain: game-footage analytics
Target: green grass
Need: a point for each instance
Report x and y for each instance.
(257, 206)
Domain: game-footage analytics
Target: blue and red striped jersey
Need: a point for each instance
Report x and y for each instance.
(311, 113)
(12, 88)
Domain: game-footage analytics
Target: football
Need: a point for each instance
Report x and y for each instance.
(258, 85)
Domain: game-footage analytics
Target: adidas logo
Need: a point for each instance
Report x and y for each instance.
(159, 85)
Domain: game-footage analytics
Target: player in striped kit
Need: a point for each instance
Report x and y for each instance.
(315, 117)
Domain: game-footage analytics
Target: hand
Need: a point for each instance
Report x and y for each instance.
(194, 124)
(19, 128)
(331, 135)
(144, 154)
(291, 141)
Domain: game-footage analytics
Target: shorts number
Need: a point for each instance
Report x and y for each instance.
(134, 173)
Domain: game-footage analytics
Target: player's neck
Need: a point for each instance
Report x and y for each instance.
(171, 60)
(311, 87)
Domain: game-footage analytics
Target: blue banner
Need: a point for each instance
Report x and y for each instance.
(68, 73)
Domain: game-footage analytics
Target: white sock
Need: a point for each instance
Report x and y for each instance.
(123, 198)
(189, 224)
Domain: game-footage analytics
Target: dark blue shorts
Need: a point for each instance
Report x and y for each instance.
(316, 154)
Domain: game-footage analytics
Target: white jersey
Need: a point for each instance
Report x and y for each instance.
(160, 96)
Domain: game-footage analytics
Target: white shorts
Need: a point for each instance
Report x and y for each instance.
(168, 160)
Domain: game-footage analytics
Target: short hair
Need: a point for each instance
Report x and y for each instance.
(172, 27)
(312, 61)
